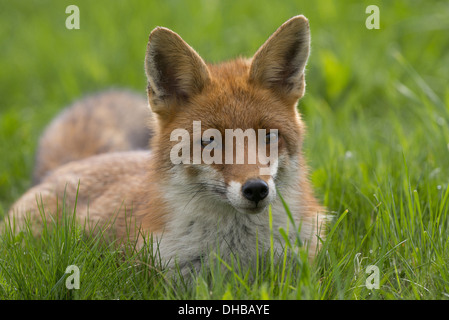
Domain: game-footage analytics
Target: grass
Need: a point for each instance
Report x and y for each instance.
(377, 112)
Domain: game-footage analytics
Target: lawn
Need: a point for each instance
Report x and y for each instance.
(376, 109)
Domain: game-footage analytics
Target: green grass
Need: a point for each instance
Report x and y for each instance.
(377, 112)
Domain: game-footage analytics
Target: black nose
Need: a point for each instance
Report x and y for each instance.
(255, 190)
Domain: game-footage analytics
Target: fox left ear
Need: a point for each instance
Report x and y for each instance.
(280, 62)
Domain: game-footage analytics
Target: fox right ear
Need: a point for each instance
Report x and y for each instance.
(175, 72)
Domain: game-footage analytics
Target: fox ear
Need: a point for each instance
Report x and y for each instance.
(280, 62)
(175, 72)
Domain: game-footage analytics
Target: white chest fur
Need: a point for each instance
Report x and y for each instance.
(196, 233)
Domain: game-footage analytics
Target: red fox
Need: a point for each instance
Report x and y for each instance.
(192, 208)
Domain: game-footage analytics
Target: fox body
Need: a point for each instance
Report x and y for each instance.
(193, 208)
(111, 121)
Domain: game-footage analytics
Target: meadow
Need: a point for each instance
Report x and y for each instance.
(377, 115)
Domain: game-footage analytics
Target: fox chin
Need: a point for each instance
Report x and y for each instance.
(192, 208)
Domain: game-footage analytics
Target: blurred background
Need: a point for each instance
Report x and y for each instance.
(372, 97)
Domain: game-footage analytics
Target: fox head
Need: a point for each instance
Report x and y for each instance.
(259, 94)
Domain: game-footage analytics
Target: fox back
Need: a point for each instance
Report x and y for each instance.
(110, 121)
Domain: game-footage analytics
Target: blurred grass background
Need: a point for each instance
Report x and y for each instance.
(376, 107)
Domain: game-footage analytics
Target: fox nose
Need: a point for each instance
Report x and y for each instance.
(255, 190)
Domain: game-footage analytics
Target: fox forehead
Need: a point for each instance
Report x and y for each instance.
(231, 101)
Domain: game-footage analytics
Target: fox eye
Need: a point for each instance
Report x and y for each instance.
(207, 142)
(271, 138)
